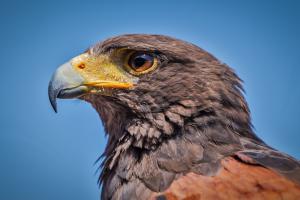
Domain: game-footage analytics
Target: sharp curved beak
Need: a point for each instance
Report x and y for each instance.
(65, 83)
(87, 74)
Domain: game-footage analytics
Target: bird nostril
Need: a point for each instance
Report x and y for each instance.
(81, 66)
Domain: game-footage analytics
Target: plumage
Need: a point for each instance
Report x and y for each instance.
(235, 180)
(181, 130)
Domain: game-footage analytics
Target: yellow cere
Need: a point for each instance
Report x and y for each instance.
(101, 71)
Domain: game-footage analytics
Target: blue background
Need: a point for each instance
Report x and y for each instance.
(48, 156)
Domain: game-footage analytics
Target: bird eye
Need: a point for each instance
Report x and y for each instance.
(141, 62)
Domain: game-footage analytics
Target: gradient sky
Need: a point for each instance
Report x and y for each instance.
(46, 156)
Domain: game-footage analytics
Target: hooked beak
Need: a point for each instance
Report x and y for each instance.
(65, 83)
(87, 74)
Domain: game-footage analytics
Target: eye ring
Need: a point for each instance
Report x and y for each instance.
(138, 63)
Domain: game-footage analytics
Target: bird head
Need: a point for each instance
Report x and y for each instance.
(151, 86)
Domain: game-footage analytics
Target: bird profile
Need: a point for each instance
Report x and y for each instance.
(177, 122)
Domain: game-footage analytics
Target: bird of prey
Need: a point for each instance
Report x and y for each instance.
(177, 122)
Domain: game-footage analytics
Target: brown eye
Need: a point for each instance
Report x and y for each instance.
(141, 62)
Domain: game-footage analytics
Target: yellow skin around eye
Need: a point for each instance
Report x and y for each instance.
(109, 70)
(101, 71)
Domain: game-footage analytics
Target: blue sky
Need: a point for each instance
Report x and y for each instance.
(51, 156)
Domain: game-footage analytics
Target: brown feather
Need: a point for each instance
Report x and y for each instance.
(236, 180)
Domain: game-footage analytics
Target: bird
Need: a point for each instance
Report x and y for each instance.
(177, 123)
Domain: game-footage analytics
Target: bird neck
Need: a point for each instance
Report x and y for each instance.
(170, 140)
(214, 131)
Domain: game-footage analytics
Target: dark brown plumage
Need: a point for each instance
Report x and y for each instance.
(184, 131)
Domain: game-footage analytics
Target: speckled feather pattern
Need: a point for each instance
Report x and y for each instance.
(185, 117)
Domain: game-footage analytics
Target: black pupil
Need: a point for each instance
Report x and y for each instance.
(141, 60)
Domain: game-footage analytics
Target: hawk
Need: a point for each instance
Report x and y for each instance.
(177, 122)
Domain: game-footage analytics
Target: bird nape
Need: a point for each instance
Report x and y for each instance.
(177, 122)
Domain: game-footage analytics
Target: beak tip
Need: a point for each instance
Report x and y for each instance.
(52, 96)
(54, 106)
(53, 103)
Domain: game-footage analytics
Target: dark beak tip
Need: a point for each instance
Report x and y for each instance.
(54, 106)
(53, 103)
(52, 94)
